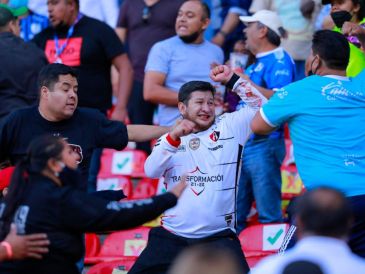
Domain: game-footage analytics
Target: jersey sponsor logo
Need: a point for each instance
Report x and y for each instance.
(197, 180)
(215, 148)
(284, 72)
(194, 143)
(214, 136)
(336, 90)
(71, 56)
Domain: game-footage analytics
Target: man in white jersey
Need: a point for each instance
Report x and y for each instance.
(207, 150)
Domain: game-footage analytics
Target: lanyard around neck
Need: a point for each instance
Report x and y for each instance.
(60, 49)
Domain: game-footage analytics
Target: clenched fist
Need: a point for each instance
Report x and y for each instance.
(182, 128)
(221, 73)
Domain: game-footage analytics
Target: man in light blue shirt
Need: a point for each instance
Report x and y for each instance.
(326, 117)
(180, 59)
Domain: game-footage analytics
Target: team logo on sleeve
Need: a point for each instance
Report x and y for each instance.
(194, 143)
(214, 136)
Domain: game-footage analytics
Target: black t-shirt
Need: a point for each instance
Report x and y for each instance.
(90, 49)
(85, 130)
(68, 214)
(20, 65)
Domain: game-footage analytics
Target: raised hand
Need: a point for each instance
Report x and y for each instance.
(221, 73)
(180, 187)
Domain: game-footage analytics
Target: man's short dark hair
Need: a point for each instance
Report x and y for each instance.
(302, 267)
(49, 75)
(6, 16)
(332, 47)
(188, 88)
(324, 212)
(206, 10)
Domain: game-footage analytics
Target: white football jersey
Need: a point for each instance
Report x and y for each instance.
(210, 159)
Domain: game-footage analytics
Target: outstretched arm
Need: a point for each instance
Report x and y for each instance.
(247, 92)
(143, 133)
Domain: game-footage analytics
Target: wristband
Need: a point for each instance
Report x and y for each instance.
(8, 249)
(172, 141)
(232, 81)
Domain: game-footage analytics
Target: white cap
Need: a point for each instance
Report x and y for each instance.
(269, 18)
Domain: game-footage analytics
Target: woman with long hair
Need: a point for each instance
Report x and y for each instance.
(42, 199)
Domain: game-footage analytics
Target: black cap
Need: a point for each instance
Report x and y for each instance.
(5, 16)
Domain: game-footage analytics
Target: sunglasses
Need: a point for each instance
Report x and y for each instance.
(146, 14)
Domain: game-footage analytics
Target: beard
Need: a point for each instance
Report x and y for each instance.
(188, 39)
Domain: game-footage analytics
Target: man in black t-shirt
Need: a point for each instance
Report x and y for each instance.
(57, 114)
(91, 47)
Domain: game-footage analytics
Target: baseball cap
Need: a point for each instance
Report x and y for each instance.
(16, 11)
(267, 17)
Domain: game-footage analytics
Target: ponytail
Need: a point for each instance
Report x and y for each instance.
(40, 150)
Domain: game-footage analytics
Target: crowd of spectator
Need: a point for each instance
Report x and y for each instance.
(215, 82)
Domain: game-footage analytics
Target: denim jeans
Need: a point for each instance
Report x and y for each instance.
(260, 180)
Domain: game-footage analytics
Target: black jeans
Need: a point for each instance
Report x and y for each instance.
(163, 247)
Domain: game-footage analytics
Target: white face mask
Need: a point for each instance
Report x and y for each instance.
(62, 165)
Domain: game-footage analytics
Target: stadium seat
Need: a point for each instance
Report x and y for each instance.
(92, 246)
(259, 241)
(145, 188)
(5, 176)
(127, 162)
(121, 244)
(116, 183)
(121, 266)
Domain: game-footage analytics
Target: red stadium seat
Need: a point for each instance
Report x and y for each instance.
(259, 241)
(145, 188)
(93, 245)
(5, 176)
(122, 265)
(126, 243)
(116, 183)
(127, 162)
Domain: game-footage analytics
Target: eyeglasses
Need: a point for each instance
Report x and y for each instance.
(146, 14)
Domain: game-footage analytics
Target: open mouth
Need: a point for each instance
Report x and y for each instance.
(204, 117)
